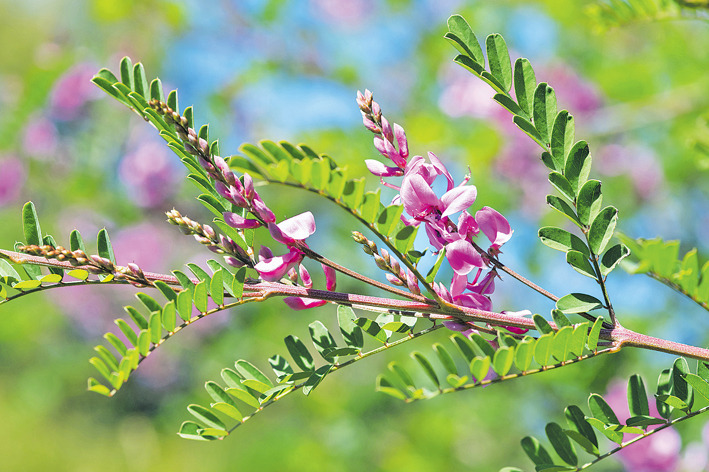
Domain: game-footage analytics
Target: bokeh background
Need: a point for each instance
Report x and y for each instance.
(279, 69)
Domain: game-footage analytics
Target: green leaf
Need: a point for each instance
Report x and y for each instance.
(184, 304)
(482, 346)
(462, 37)
(445, 358)
(589, 201)
(562, 240)
(508, 104)
(104, 246)
(148, 301)
(140, 321)
(503, 359)
(402, 375)
(388, 218)
(601, 230)
(373, 329)
(127, 331)
(115, 341)
(525, 125)
(643, 421)
(544, 111)
(464, 346)
(206, 416)
(479, 367)
(249, 371)
(499, 59)
(592, 342)
(560, 183)
(562, 207)
(431, 275)
(155, 327)
(663, 389)
(586, 436)
(30, 225)
(698, 384)
(166, 290)
(143, 342)
(200, 296)
(578, 303)
(674, 402)
(370, 207)
(578, 338)
(525, 83)
(427, 367)
(535, 451)
(601, 410)
(383, 385)
(542, 325)
(317, 377)
(140, 81)
(167, 317)
(191, 430)
(581, 264)
(351, 333)
(299, 353)
(543, 349)
(561, 443)
(156, 92)
(216, 287)
(127, 72)
(561, 343)
(322, 339)
(524, 353)
(578, 165)
(560, 319)
(680, 388)
(612, 257)
(172, 101)
(637, 397)
(562, 138)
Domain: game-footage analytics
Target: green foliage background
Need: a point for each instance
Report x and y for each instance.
(649, 83)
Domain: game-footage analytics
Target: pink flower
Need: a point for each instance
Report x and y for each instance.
(495, 226)
(72, 91)
(12, 178)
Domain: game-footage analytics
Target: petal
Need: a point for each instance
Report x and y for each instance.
(305, 276)
(400, 135)
(239, 222)
(330, 278)
(441, 169)
(276, 267)
(379, 169)
(474, 300)
(298, 228)
(417, 195)
(412, 282)
(458, 198)
(262, 210)
(462, 257)
(300, 303)
(494, 225)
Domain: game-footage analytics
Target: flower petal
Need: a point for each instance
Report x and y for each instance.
(298, 228)
(494, 225)
(458, 198)
(239, 222)
(462, 257)
(300, 303)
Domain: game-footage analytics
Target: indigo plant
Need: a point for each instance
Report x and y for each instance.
(258, 257)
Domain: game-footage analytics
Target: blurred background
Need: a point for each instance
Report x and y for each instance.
(280, 69)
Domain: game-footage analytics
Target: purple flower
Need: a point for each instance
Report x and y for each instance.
(12, 178)
(495, 226)
(239, 222)
(72, 91)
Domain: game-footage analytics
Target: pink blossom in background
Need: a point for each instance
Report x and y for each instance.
(657, 453)
(573, 92)
(148, 173)
(351, 13)
(149, 245)
(72, 91)
(40, 137)
(12, 178)
(639, 162)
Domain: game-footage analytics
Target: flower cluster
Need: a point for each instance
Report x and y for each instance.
(241, 193)
(424, 206)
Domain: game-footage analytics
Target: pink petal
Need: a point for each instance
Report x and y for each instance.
(412, 282)
(462, 257)
(441, 169)
(417, 195)
(305, 276)
(474, 300)
(239, 222)
(300, 303)
(379, 169)
(494, 225)
(295, 228)
(401, 141)
(276, 267)
(262, 210)
(330, 278)
(458, 198)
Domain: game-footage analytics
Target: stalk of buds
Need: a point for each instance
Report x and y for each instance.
(234, 255)
(396, 275)
(95, 264)
(226, 183)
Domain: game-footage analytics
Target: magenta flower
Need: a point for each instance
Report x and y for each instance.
(239, 222)
(495, 226)
(293, 229)
(12, 178)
